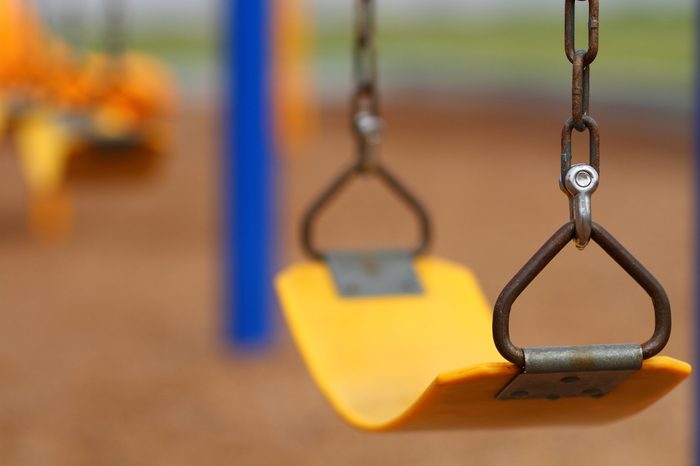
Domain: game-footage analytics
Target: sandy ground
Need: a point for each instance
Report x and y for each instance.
(109, 351)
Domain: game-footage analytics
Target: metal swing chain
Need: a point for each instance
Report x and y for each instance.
(580, 181)
(367, 128)
(581, 59)
(366, 123)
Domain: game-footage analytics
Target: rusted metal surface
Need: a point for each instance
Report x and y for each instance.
(567, 151)
(367, 127)
(393, 183)
(521, 280)
(580, 90)
(533, 267)
(580, 118)
(570, 30)
(581, 81)
(581, 228)
(662, 306)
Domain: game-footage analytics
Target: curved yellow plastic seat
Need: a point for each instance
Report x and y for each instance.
(428, 361)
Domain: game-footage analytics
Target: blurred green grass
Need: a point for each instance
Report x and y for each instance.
(647, 54)
(638, 52)
(182, 44)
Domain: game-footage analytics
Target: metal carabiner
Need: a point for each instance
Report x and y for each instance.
(533, 267)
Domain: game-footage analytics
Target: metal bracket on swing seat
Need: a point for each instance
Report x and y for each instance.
(573, 371)
(374, 273)
(576, 371)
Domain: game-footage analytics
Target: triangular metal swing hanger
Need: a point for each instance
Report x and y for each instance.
(342, 181)
(562, 237)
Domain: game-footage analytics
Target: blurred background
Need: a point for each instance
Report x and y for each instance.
(112, 349)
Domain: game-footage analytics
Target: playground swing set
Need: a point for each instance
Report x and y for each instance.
(400, 340)
(78, 116)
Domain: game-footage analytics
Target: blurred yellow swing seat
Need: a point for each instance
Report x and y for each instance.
(97, 117)
(427, 361)
(113, 112)
(52, 152)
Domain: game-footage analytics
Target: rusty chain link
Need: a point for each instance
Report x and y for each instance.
(580, 90)
(570, 30)
(581, 59)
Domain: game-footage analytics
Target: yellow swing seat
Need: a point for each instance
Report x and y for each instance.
(427, 361)
(53, 153)
(397, 340)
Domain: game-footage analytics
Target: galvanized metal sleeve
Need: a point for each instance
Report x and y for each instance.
(583, 358)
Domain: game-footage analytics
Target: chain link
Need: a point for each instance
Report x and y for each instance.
(580, 94)
(593, 144)
(581, 59)
(570, 30)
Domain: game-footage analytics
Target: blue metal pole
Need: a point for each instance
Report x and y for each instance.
(248, 170)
